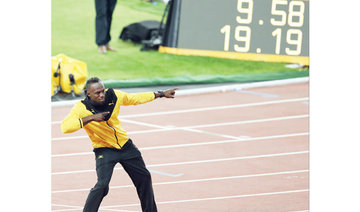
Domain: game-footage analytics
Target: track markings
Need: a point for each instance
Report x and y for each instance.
(166, 174)
(161, 128)
(217, 108)
(300, 211)
(197, 129)
(195, 162)
(266, 95)
(80, 208)
(195, 181)
(209, 108)
(66, 206)
(197, 143)
(216, 198)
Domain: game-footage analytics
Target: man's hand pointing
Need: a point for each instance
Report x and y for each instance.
(170, 93)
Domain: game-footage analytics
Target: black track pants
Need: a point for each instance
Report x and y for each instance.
(130, 158)
(104, 11)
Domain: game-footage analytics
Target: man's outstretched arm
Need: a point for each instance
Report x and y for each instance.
(141, 98)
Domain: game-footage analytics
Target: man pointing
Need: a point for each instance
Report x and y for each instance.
(98, 115)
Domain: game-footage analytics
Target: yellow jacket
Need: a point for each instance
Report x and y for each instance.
(108, 133)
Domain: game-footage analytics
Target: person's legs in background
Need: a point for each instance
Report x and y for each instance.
(104, 10)
(110, 11)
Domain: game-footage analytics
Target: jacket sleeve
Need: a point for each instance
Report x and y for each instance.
(73, 121)
(134, 98)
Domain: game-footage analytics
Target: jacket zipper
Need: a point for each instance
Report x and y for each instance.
(117, 141)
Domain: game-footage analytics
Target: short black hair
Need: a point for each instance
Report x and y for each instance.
(90, 81)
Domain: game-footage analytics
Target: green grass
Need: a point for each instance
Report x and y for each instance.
(73, 34)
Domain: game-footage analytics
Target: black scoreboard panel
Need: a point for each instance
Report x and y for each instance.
(267, 30)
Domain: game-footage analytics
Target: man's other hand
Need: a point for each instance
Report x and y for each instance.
(100, 116)
(96, 117)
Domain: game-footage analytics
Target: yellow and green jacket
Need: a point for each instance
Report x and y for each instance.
(108, 133)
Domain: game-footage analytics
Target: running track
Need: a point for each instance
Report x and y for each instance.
(239, 151)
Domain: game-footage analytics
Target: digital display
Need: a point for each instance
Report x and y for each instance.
(269, 30)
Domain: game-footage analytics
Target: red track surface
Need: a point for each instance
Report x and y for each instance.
(250, 157)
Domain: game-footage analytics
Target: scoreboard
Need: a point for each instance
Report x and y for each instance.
(261, 30)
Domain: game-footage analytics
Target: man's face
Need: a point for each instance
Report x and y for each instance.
(96, 92)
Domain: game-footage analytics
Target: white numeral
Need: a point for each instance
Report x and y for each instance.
(293, 13)
(296, 41)
(275, 11)
(277, 34)
(247, 10)
(226, 30)
(245, 39)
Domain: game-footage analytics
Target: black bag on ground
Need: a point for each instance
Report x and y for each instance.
(140, 31)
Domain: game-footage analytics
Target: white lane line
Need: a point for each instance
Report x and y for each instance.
(66, 206)
(166, 174)
(194, 181)
(195, 162)
(177, 128)
(197, 143)
(209, 108)
(300, 211)
(190, 127)
(78, 208)
(56, 122)
(64, 210)
(70, 138)
(145, 124)
(211, 133)
(266, 95)
(250, 121)
(216, 198)
(229, 159)
(216, 108)
(202, 199)
(115, 210)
